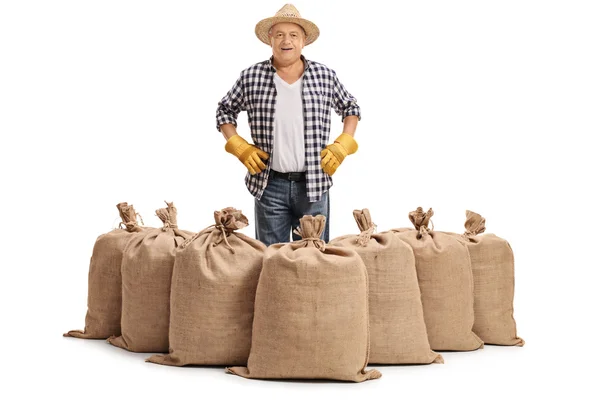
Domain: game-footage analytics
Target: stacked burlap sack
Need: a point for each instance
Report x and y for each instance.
(397, 327)
(212, 295)
(493, 266)
(103, 317)
(311, 314)
(146, 270)
(445, 278)
(299, 310)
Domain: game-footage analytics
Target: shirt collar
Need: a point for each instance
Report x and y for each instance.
(269, 63)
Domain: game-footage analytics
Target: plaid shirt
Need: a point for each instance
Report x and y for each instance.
(255, 93)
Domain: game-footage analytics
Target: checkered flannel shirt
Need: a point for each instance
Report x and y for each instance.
(255, 93)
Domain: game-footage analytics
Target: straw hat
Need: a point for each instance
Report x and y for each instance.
(288, 13)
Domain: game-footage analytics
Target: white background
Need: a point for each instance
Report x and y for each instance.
(481, 105)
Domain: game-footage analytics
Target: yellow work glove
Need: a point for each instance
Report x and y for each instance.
(333, 155)
(250, 155)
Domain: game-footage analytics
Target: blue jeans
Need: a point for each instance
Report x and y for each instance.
(280, 208)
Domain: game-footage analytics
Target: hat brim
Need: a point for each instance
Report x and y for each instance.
(262, 28)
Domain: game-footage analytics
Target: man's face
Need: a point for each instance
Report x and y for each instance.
(287, 41)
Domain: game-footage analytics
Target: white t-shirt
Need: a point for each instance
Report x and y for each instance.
(288, 130)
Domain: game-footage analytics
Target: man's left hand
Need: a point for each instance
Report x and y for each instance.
(333, 155)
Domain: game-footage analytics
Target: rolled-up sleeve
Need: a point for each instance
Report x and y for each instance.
(230, 106)
(344, 103)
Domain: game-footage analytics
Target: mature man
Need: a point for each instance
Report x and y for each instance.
(288, 100)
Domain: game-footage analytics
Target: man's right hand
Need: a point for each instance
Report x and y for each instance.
(251, 156)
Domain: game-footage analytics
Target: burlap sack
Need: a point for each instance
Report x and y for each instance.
(103, 317)
(212, 295)
(311, 316)
(397, 327)
(146, 269)
(493, 266)
(446, 283)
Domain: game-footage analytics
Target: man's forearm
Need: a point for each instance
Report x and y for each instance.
(350, 123)
(228, 130)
